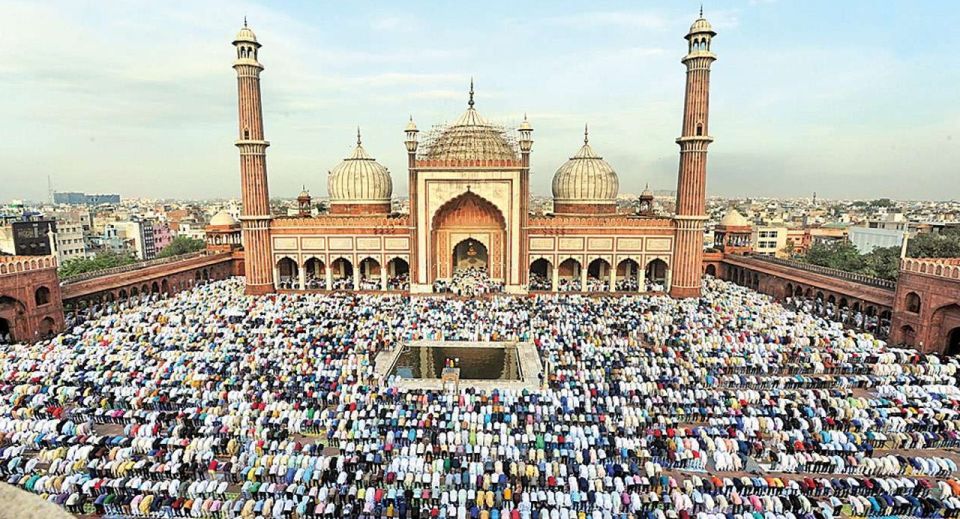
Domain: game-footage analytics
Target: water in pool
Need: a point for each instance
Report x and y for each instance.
(476, 363)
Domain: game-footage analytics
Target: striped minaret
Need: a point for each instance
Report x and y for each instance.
(255, 216)
(692, 178)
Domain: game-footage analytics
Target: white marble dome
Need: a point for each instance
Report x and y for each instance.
(359, 179)
(585, 178)
(223, 218)
(733, 218)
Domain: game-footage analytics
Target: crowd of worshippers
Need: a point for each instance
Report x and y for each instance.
(470, 282)
(215, 404)
(539, 282)
(878, 324)
(398, 282)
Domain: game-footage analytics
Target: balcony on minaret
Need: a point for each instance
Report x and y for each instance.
(699, 38)
(526, 135)
(247, 48)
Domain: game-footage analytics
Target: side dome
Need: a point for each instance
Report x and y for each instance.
(223, 218)
(360, 185)
(733, 218)
(585, 184)
(470, 138)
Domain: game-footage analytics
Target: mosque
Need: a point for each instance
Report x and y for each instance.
(469, 197)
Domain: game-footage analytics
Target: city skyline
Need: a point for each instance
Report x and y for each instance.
(854, 113)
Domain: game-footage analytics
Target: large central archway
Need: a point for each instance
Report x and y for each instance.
(467, 230)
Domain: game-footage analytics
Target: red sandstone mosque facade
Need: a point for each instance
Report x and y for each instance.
(469, 194)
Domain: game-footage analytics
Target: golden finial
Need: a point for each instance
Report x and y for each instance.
(470, 103)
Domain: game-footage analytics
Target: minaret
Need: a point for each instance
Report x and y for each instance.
(255, 215)
(526, 146)
(304, 203)
(692, 181)
(411, 144)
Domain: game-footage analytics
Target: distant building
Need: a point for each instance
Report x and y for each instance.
(801, 239)
(191, 230)
(876, 234)
(75, 198)
(162, 236)
(769, 240)
(136, 236)
(70, 198)
(147, 238)
(29, 238)
(866, 239)
(70, 241)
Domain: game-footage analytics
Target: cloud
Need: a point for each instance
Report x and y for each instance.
(397, 23)
(140, 97)
(608, 19)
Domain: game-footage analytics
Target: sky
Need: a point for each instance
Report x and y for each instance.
(851, 99)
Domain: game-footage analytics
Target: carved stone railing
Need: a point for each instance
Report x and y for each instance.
(20, 264)
(948, 268)
(131, 267)
(332, 221)
(826, 271)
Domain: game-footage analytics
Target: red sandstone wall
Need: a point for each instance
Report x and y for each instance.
(29, 321)
(928, 330)
(169, 278)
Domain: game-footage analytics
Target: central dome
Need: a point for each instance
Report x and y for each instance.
(470, 138)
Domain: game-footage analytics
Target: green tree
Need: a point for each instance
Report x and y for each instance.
(928, 245)
(882, 202)
(883, 262)
(838, 254)
(181, 245)
(103, 260)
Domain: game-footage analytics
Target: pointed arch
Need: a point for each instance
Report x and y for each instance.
(288, 272)
(369, 273)
(628, 275)
(568, 272)
(912, 302)
(467, 216)
(398, 274)
(541, 274)
(598, 275)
